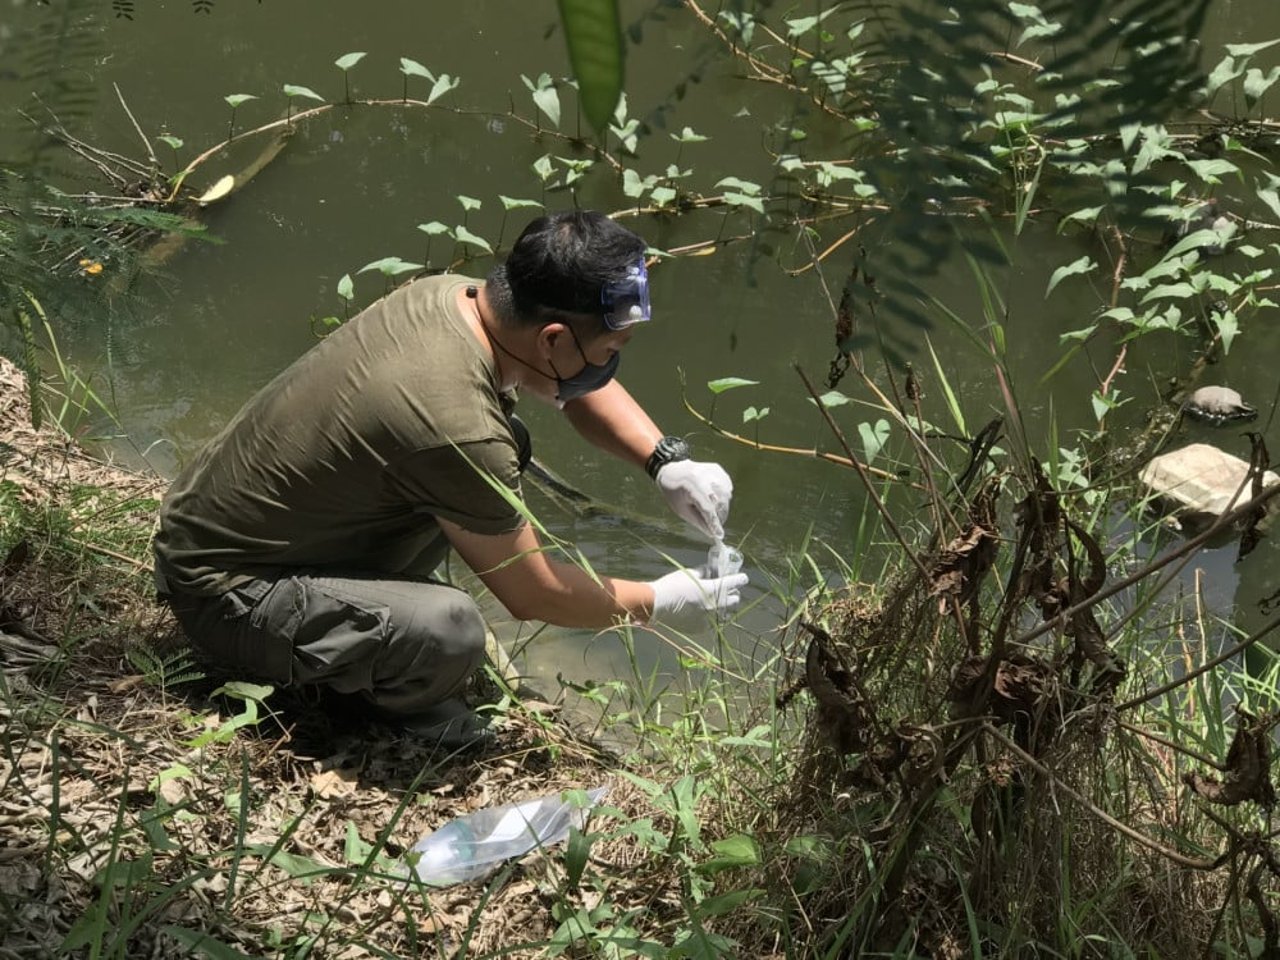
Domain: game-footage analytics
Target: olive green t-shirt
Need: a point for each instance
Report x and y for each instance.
(346, 459)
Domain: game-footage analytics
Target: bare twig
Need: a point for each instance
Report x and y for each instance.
(810, 454)
(151, 154)
(862, 474)
(1135, 835)
(1204, 668)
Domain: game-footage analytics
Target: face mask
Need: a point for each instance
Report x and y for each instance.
(591, 377)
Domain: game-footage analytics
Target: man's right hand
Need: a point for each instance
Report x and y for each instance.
(689, 601)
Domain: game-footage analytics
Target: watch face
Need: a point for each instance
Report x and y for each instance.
(671, 448)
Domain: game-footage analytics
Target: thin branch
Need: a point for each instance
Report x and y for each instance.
(1204, 668)
(151, 154)
(1172, 745)
(1128, 831)
(796, 451)
(862, 475)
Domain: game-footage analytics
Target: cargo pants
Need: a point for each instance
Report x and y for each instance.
(403, 645)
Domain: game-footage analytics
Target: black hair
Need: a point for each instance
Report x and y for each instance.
(558, 268)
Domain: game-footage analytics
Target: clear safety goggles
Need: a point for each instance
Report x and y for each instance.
(626, 301)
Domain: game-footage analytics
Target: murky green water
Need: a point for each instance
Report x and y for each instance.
(352, 186)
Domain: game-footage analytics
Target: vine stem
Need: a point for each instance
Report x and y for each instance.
(835, 458)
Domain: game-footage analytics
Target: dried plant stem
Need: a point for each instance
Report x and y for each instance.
(1135, 835)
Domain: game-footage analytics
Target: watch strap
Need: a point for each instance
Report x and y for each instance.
(667, 450)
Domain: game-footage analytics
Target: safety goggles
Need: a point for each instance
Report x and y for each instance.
(626, 301)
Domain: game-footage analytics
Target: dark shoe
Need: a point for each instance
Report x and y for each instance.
(450, 725)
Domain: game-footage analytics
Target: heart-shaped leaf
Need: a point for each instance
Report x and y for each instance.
(873, 438)
(293, 90)
(466, 236)
(412, 68)
(390, 266)
(235, 99)
(348, 60)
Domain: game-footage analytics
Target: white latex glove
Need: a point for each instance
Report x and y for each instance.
(699, 493)
(689, 601)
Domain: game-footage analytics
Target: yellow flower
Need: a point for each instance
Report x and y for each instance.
(91, 267)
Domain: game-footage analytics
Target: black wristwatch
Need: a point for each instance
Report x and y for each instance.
(668, 450)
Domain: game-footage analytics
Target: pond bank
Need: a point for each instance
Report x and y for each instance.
(145, 810)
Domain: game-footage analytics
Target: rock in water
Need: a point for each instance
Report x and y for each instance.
(1201, 479)
(1219, 405)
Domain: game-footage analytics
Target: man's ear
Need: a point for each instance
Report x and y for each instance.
(550, 333)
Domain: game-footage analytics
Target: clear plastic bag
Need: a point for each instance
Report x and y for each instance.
(474, 845)
(723, 560)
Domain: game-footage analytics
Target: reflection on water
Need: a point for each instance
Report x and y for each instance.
(352, 186)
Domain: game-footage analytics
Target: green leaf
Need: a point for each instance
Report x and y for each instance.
(355, 849)
(749, 414)
(469, 203)
(729, 383)
(1174, 291)
(243, 690)
(433, 229)
(1082, 265)
(544, 168)
(1087, 215)
(1228, 326)
(1256, 83)
(738, 850)
(633, 186)
(742, 200)
(1193, 241)
(873, 438)
(1222, 74)
(346, 287)
(412, 68)
(687, 135)
(832, 398)
(1209, 170)
(577, 853)
(298, 867)
(178, 771)
(466, 236)
(444, 83)
(1271, 198)
(1249, 49)
(593, 34)
(546, 97)
(201, 942)
(513, 203)
(293, 90)
(348, 60)
(662, 195)
(174, 143)
(390, 266)
(727, 902)
(235, 99)
(741, 186)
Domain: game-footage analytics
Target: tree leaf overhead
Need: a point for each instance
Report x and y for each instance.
(593, 34)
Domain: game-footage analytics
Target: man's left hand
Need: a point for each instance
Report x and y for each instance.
(699, 493)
